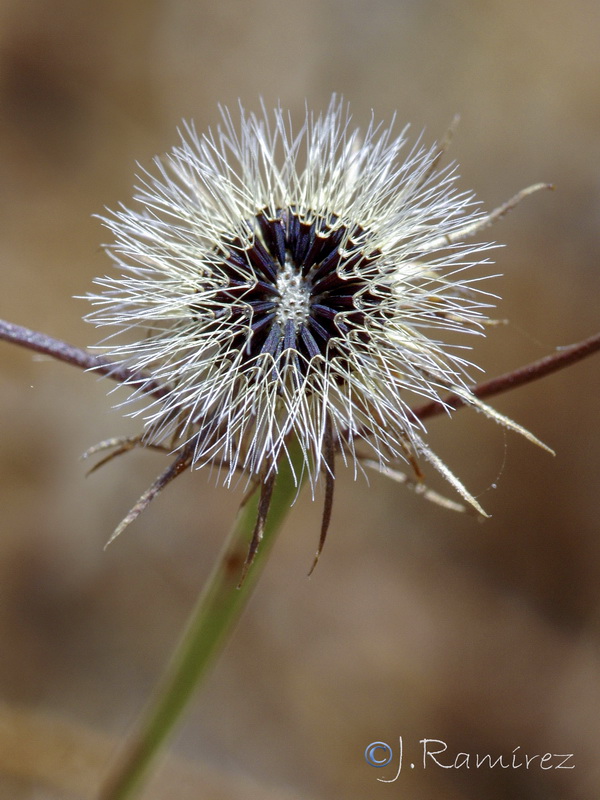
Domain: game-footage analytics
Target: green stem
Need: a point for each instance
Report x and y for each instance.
(217, 610)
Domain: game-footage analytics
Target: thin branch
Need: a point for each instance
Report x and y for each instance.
(62, 351)
(518, 377)
(40, 343)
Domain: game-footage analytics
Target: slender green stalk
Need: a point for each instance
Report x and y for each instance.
(217, 610)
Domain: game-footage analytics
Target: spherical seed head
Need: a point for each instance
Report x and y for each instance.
(287, 283)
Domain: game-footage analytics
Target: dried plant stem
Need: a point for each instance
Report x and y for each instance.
(217, 610)
(62, 351)
(41, 343)
(563, 357)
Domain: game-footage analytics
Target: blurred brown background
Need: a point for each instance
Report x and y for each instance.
(417, 622)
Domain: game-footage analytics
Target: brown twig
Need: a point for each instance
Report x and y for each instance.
(41, 343)
(62, 351)
(518, 377)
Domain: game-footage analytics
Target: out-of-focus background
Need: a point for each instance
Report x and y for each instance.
(417, 623)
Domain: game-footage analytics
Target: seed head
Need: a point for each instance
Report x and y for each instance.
(307, 284)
